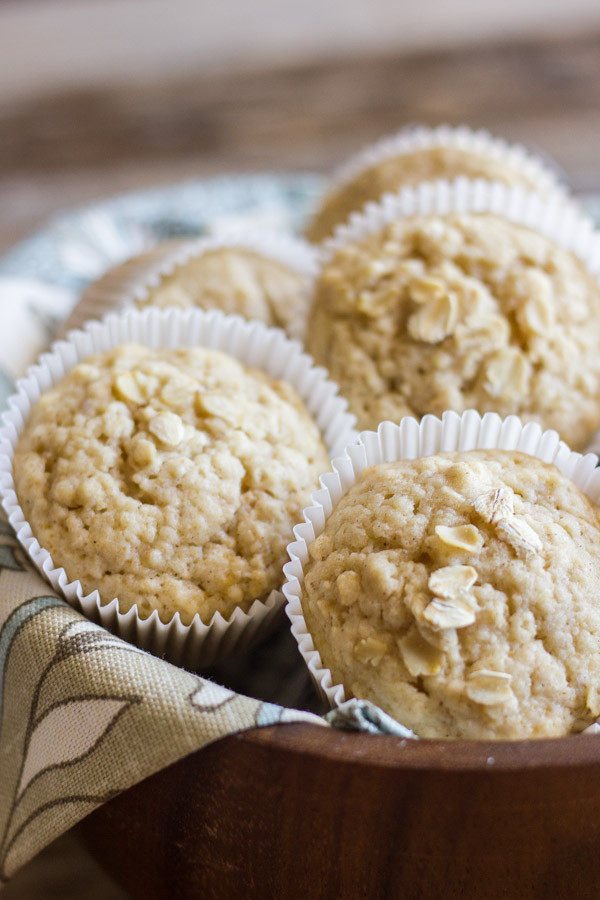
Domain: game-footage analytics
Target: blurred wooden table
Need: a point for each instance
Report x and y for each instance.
(63, 150)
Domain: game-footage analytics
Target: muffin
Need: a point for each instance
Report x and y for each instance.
(168, 478)
(424, 154)
(435, 312)
(234, 279)
(460, 593)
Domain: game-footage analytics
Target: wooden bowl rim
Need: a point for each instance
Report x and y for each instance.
(390, 752)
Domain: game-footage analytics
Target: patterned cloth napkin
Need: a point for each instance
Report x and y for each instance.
(85, 715)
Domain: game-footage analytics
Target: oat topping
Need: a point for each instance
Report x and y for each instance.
(167, 427)
(461, 537)
(461, 593)
(458, 312)
(495, 505)
(371, 650)
(488, 687)
(497, 508)
(419, 656)
(455, 612)
(170, 479)
(452, 581)
(520, 535)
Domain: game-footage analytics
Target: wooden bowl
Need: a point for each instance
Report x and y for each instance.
(298, 811)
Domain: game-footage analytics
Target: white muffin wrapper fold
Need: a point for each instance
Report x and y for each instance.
(412, 439)
(542, 172)
(133, 280)
(198, 645)
(566, 225)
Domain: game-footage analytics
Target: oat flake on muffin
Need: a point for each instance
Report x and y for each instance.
(465, 310)
(168, 478)
(461, 593)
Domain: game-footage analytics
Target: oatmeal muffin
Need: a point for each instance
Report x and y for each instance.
(234, 280)
(460, 311)
(441, 153)
(168, 478)
(461, 593)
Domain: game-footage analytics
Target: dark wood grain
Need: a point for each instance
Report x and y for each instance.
(301, 812)
(63, 871)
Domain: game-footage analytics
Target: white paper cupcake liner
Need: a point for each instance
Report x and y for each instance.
(412, 439)
(543, 173)
(198, 645)
(565, 225)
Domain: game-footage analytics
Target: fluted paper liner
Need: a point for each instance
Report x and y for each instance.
(133, 280)
(564, 224)
(198, 645)
(542, 173)
(412, 439)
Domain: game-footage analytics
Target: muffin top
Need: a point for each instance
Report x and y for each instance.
(235, 280)
(467, 310)
(461, 593)
(170, 479)
(406, 169)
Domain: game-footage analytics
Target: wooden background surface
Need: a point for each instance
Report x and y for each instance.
(72, 146)
(65, 149)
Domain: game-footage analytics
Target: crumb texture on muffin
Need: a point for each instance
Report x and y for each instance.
(235, 280)
(406, 170)
(170, 479)
(436, 313)
(461, 593)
